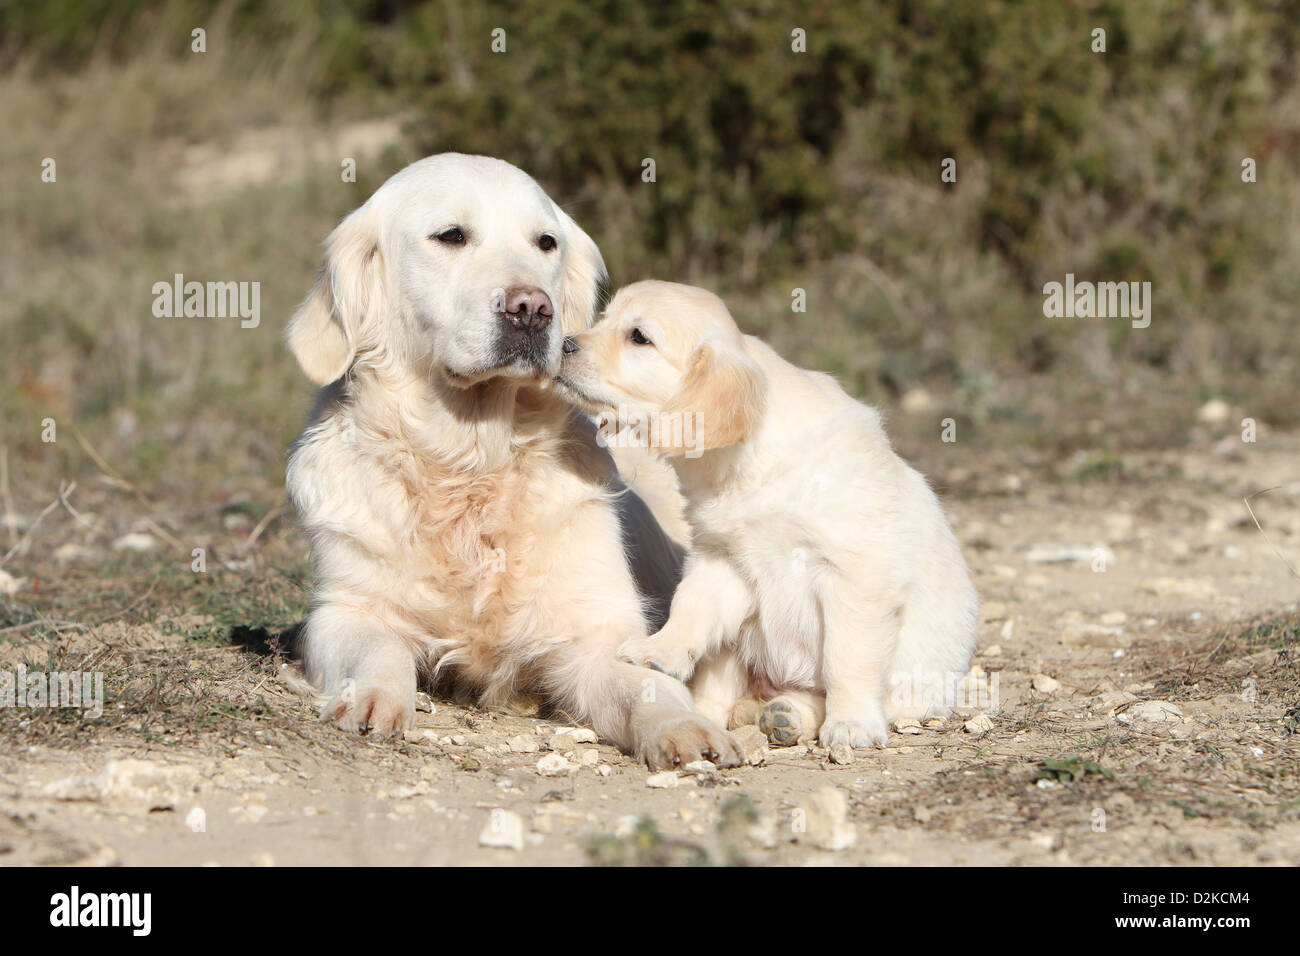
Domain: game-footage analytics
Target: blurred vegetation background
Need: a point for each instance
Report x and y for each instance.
(775, 170)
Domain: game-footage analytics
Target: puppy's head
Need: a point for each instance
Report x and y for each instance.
(458, 265)
(672, 356)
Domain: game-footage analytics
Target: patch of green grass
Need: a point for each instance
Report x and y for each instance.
(1070, 769)
(1100, 466)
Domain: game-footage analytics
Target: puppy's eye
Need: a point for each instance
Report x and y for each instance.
(639, 338)
(546, 242)
(450, 237)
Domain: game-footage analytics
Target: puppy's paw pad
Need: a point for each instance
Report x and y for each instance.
(855, 733)
(781, 722)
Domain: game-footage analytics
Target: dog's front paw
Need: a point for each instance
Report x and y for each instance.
(659, 654)
(371, 708)
(690, 737)
(870, 732)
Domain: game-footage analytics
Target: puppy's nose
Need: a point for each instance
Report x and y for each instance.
(570, 346)
(528, 306)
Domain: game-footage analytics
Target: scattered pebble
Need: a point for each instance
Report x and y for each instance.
(135, 541)
(907, 725)
(662, 781)
(825, 820)
(10, 585)
(553, 765)
(504, 830)
(524, 744)
(842, 754)
(1045, 684)
(917, 401)
(1111, 701)
(979, 724)
(580, 735)
(701, 766)
(1213, 412)
(1151, 713)
(562, 743)
(753, 744)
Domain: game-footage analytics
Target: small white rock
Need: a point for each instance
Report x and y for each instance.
(662, 781)
(9, 585)
(553, 765)
(524, 744)
(753, 743)
(135, 541)
(1045, 684)
(979, 724)
(843, 753)
(825, 820)
(504, 830)
(580, 735)
(1213, 412)
(907, 725)
(1156, 713)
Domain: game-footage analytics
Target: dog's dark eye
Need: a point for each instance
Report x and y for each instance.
(450, 237)
(546, 242)
(640, 338)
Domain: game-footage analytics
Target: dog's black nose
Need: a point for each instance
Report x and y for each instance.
(570, 346)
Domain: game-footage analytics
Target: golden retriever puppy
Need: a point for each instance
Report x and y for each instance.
(463, 520)
(822, 563)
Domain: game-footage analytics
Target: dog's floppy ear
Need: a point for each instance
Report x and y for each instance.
(725, 390)
(344, 305)
(584, 271)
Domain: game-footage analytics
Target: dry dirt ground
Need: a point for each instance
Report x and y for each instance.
(204, 754)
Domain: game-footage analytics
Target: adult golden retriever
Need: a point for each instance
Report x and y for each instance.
(463, 519)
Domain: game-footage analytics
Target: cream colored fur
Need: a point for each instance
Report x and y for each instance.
(822, 564)
(463, 520)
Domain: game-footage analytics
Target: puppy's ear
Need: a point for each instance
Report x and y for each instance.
(584, 271)
(724, 390)
(345, 305)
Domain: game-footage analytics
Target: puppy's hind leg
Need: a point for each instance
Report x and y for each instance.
(791, 718)
(719, 681)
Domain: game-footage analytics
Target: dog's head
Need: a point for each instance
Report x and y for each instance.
(671, 355)
(458, 265)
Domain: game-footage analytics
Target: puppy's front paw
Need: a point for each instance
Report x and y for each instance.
(871, 732)
(660, 655)
(682, 740)
(371, 708)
